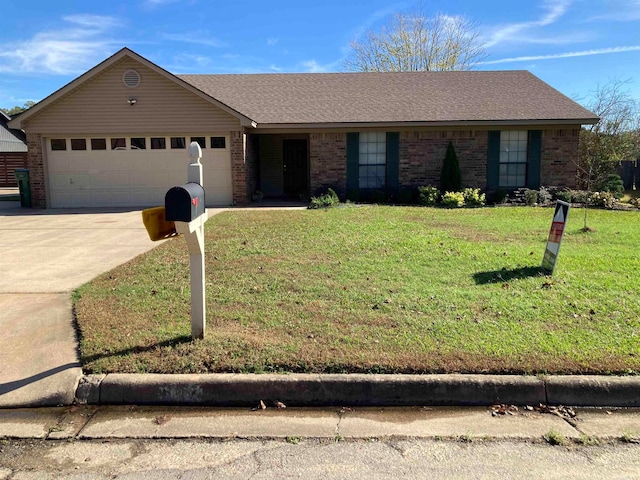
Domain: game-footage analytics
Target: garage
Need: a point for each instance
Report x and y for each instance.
(133, 171)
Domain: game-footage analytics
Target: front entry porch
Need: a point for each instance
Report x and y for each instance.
(281, 166)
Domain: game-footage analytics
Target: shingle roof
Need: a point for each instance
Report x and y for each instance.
(422, 97)
(10, 140)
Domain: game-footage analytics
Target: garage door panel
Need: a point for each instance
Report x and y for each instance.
(103, 178)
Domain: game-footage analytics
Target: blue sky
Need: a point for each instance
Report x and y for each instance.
(574, 45)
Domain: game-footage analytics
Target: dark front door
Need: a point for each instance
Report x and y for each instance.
(294, 164)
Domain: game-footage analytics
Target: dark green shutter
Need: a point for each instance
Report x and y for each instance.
(393, 162)
(353, 161)
(534, 153)
(493, 160)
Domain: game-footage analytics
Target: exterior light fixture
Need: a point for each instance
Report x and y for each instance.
(132, 101)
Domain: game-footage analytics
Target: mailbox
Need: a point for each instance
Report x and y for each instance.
(184, 203)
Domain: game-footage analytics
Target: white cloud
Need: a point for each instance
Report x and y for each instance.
(70, 50)
(521, 32)
(272, 41)
(312, 66)
(198, 38)
(584, 53)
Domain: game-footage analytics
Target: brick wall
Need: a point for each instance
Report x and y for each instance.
(35, 164)
(328, 162)
(422, 154)
(239, 168)
(559, 157)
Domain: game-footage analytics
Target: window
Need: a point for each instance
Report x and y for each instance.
(139, 143)
(158, 143)
(118, 143)
(178, 142)
(98, 144)
(513, 158)
(218, 142)
(201, 141)
(372, 160)
(58, 144)
(78, 144)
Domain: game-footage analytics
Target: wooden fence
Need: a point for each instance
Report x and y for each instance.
(629, 171)
(8, 163)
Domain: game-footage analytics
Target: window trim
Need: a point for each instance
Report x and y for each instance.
(377, 165)
(514, 164)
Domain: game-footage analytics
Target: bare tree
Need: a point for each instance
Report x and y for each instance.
(613, 138)
(418, 42)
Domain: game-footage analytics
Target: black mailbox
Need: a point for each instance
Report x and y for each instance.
(184, 203)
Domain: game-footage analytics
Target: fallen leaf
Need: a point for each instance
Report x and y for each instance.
(161, 420)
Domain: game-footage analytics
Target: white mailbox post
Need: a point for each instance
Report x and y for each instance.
(193, 232)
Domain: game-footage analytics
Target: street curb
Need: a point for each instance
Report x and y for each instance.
(240, 390)
(593, 391)
(247, 390)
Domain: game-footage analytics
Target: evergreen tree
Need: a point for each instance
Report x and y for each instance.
(450, 177)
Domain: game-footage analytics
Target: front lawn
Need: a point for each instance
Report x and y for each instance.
(377, 289)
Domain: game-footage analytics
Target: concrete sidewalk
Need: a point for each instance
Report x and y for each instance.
(44, 255)
(88, 423)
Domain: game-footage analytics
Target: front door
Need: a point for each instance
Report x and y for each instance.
(294, 164)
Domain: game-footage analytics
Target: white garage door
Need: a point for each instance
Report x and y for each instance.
(124, 171)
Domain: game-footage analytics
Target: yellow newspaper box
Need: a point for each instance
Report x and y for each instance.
(156, 224)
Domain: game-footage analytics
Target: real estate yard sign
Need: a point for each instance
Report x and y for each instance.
(555, 236)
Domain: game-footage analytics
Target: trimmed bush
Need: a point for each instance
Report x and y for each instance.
(429, 195)
(602, 199)
(564, 195)
(614, 184)
(453, 199)
(544, 196)
(329, 199)
(530, 197)
(450, 176)
(473, 197)
(579, 196)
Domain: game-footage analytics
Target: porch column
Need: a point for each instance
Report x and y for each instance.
(35, 164)
(239, 168)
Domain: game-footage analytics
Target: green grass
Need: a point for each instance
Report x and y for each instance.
(377, 289)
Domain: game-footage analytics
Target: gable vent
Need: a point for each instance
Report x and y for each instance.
(131, 78)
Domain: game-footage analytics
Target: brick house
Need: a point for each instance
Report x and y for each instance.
(117, 135)
(13, 152)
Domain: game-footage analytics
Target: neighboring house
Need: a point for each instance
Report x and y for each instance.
(13, 152)
(117, 135)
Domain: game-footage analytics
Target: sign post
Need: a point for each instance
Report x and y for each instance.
(555, 236)
(193, 232)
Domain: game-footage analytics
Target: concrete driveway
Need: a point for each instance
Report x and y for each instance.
(44, 255)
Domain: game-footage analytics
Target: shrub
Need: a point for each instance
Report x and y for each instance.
(326, 200)
(564, 195)
(635, 202)
(453, 199)
(499, 196)
(579, 196)
(473, 197)
(602, 199)
(450, 176)
(428, 195)
(530, 197)
(544, 196)
(614, 184)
